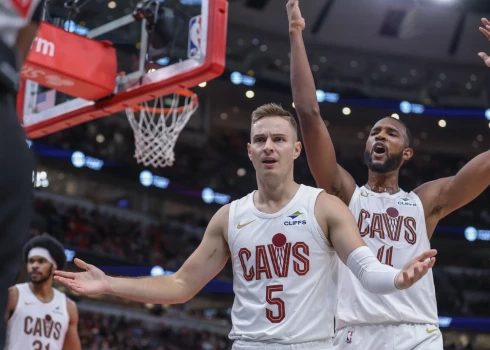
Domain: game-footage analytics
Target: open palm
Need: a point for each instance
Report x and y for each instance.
(486, 32)
(90, 282)
(415, 269)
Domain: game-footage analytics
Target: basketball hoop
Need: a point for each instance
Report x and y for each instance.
(156, 127)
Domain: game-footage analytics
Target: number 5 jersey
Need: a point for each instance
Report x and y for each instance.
(285, 272)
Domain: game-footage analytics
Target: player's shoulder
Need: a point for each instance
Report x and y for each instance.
(14, 292)
(326, 199)
(70, 304)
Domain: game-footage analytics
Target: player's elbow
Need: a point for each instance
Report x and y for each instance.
(307, 111)
(184, 291)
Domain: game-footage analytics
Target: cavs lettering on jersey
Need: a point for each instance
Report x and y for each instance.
(35, 325)
(284, 272)
(393, 227)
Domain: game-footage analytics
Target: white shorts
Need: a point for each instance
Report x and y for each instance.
(389, 337)
(314, 345)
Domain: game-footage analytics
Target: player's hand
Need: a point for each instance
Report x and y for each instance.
(486, 32)
(296, 21)
(415, 269)
(90, 282)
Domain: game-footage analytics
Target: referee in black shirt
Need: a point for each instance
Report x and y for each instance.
(19, 20)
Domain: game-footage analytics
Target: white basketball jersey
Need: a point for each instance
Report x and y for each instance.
(285, 273)
(393, 227)
(35, 325)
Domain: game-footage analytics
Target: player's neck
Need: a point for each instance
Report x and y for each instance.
(44, 291)
(383, 183)
(270, 198)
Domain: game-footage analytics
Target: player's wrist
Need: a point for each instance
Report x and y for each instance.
(399, 281)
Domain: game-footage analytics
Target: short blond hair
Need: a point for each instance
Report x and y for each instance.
(275, 110)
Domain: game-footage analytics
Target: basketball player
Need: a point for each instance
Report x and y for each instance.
(18, 25)
(282, 240)
(395, 225)
(40, 317)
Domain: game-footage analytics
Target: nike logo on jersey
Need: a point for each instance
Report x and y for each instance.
(239, 226)
(29, 302)
(430, 331)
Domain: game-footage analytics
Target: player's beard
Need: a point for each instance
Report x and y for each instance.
(43, 279)
(391, 163)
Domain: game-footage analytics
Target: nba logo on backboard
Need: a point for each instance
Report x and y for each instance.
(349, 336)
(194, 47)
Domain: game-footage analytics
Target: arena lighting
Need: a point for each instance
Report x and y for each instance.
(472, 234)
(147, 179)
(71, 27)
(209, 196)
(487, 114)
(442, 123)
(79, 160)
(40, 179)
(395, 115)
(322, 96)
(445, 321)
(203, 84)
(346, 111)
(407, 107)
(70, 255)
(238, 78)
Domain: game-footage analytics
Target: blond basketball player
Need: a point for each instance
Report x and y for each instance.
(283, 241)
(40, 317)
(396, 225)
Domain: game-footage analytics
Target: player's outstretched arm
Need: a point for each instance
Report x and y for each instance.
(443, 196)
(318, 145)
(337, 222)
(486, 31)
(204, 264)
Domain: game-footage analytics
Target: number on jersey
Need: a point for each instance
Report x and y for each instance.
(281, 307)
(388, 255)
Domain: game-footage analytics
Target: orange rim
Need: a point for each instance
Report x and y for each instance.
(180, 109)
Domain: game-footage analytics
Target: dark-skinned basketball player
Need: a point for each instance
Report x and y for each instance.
(39, 317)
(395, 224)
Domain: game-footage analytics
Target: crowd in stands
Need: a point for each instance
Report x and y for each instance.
(215, 164)
(103, 332)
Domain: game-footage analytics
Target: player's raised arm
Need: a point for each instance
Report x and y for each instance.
(204, 264)
(337, 222)
(443, 196)
(318, 144)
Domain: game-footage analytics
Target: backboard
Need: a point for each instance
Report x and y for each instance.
(185, 48)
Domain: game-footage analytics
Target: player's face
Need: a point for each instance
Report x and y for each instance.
(386, 147)
(39, 269)
(273, 146)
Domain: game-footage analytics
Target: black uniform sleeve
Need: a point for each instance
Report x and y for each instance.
(38, 12)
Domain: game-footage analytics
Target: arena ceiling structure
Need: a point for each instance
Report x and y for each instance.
(422, 51)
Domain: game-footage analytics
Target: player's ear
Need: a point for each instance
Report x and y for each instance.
(297, 149)
(407, 154)
(249, 151)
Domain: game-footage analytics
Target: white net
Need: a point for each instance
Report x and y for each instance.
(157, 125)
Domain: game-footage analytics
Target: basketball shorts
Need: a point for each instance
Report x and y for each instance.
(389, 337)
(314, 345)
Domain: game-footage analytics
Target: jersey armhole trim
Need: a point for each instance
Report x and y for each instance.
(422, 211)
(354, 195)
(17, 304)
(231, 226)
(314, 226)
